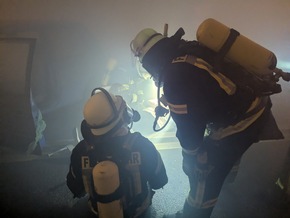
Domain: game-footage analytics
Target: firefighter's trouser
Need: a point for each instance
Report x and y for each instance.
(209, 167)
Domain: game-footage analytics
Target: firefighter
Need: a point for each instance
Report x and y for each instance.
(118, 170)
(216, 120)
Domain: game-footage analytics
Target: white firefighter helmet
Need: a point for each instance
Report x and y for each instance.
(143, 41)
(103, 111)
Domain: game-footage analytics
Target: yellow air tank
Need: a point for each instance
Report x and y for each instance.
(106, 181)
(250, 55)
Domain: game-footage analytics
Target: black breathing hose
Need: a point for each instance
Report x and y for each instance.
(159, 110)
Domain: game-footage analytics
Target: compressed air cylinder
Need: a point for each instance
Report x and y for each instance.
(250, 55)
(106, 181)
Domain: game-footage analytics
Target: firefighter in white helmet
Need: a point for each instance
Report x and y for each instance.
(216, 119)
(118, 170)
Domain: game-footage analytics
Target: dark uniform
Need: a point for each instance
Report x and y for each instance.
(140, 164)
(216, 120)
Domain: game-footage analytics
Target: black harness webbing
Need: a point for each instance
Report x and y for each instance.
(224, 49)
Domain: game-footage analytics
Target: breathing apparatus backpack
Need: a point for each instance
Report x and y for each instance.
(106, 182)
(249, 65)
(103, 177)
(108, 179)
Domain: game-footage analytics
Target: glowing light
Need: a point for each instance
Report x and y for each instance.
(284, 65)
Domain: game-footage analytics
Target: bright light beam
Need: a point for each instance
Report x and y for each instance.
(284, 65)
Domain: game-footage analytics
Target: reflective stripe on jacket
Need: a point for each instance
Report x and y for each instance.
(252, 114)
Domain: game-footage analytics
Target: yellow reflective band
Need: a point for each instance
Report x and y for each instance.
(257, 106)
(242, 125)
(87, 174)
(226, 84)
(210, 203)
(87, 178)
(178, 108)
(196, 200)
(254, 104)
(279, 183)
(190, 152)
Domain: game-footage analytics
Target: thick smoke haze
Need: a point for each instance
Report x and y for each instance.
(75, 39)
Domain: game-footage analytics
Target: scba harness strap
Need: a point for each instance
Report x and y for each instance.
(252, 114)
(225, 83)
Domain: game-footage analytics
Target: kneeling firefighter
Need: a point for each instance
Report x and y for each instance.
(218, 116)
(116, 168)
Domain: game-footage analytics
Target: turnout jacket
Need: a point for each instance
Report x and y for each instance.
(198, 103)
(201, 101)
(142, 162)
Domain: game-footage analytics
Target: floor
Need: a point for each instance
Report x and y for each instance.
(34, 185)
